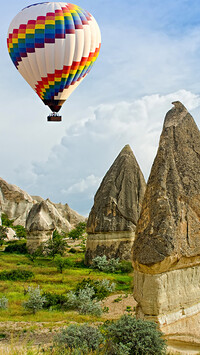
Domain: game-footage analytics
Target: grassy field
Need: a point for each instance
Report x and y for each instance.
(50, 280)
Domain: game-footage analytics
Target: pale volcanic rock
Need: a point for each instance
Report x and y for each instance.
(166, 250)
(45, 217)
(11, 235)
(117, 203)
(169, 223)
(15, 202)
(39, 216)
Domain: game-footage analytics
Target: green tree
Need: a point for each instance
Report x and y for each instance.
(55, 245)
(20, 231)
(77, 232)
(6, 221)
(35, 254)
(62, 263)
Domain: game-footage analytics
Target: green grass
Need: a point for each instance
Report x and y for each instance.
(49, 280)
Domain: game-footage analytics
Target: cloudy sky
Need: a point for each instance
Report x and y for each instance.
(149, 58)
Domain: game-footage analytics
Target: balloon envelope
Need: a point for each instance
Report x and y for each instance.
(53, 45)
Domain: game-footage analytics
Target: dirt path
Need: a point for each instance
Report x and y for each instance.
(43, 332)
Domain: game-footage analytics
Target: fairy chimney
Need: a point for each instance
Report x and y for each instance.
(166, 250)
(117, 203)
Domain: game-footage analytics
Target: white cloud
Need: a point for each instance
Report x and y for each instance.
(83, 185)
(76, 166)
(151, 48)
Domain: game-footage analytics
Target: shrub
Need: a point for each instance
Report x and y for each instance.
(101, 288)
(35, 301)
(3, 303)
(111, 265)
(125, 266)
(16, 275)
(62, 263)
(131, 336)
(101, 263)
(83, 337)
(16, 247)
(54, 300)
(83, 302)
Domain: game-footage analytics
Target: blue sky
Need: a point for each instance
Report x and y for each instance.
(149, 58)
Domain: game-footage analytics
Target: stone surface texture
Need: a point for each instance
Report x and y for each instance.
(117, 204)
(39, 216)
(166, 250)
(15, 202)
(44, 217)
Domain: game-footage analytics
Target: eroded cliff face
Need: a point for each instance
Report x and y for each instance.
(15, 202)
(117, 203)
(166, 250)
(39, 216)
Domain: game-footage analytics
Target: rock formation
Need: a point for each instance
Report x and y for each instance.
(11, 235)
(39, 216)
(42, 220)
(15, 202)
(166, 250)
(117, 203)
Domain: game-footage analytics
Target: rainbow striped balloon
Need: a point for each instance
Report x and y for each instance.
(53, 45)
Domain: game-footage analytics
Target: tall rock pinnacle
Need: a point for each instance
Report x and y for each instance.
(117, 203)
(170, 218)
(166, 250)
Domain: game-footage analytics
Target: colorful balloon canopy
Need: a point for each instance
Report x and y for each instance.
(53, 45)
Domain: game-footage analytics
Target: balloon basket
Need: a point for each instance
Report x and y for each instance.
(54, 118)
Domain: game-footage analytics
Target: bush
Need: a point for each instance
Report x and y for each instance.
(101, 288)
(16, 275)
(83, 337)
(84, 302)
(101, 263)
(54, 300)
(125, 266)
(3, 303)
(35, 301)
(16, 247)
(131, 336)
(111, 265)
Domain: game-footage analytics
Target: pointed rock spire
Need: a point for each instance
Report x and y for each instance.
(116, 208)
(118, 200)
(166, 250)
(169, 222)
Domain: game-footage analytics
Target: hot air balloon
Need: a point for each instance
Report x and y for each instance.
(54, 46)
